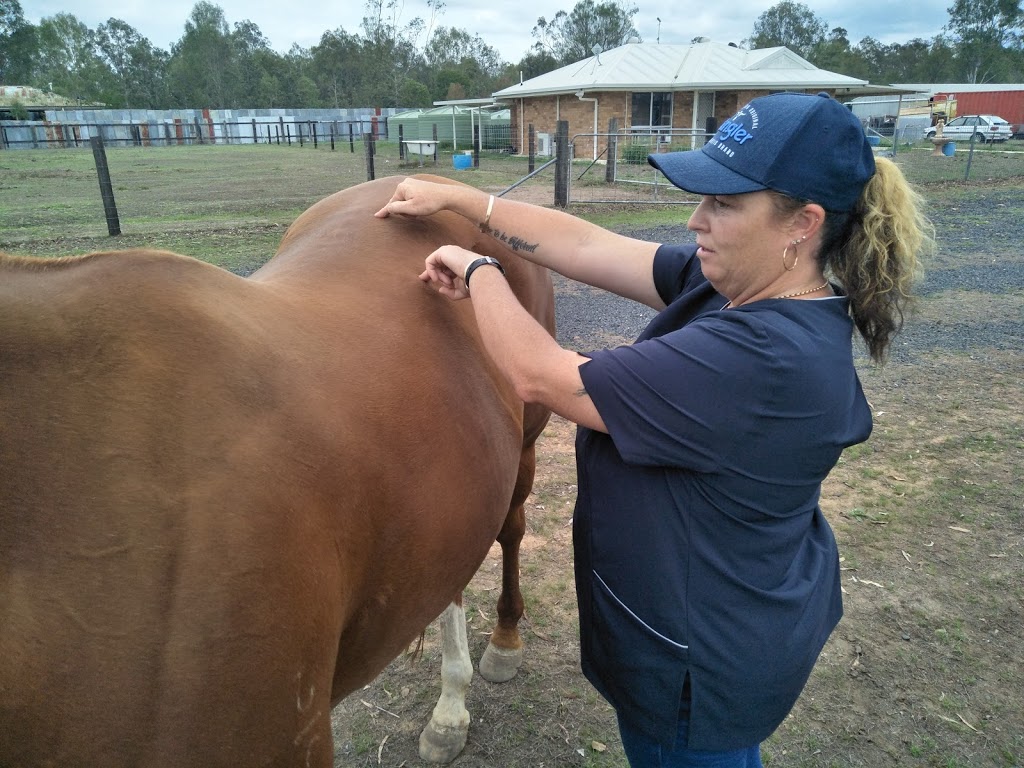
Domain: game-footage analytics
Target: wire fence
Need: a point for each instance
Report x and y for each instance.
(613, 167)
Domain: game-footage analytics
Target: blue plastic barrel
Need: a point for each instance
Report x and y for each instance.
(949, 149)
(462, 162)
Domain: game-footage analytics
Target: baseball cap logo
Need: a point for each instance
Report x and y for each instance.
(734, 128)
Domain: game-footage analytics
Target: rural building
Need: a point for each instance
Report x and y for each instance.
(946, 100)
(674, 91)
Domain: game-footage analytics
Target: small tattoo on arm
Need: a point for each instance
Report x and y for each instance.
(581, 392)
(515, 243)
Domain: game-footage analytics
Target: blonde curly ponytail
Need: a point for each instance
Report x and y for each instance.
(873, 252)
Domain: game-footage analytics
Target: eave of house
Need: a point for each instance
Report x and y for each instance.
(702, 66)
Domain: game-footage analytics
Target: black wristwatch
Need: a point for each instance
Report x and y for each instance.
(482, 261)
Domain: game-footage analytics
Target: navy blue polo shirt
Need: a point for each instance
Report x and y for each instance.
(700, 548)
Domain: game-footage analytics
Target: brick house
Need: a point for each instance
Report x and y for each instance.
(671, 90)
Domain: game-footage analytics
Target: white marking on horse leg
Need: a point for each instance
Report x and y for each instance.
(445, 735)
(499, 665)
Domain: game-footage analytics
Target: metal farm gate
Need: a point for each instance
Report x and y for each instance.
(614, 168)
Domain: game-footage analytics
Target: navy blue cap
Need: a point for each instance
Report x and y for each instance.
(807, 146)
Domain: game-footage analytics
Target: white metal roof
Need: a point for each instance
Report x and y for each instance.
(932, 88)
(701, 66)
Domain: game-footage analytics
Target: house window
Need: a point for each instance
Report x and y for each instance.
(651, 111)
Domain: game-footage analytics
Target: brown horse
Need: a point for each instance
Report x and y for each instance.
(226, 503)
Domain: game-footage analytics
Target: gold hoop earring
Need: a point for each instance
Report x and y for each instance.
(796, 256)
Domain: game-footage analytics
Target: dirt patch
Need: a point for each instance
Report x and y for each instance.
(925, 668)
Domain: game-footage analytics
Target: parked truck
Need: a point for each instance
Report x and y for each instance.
(1008, 104)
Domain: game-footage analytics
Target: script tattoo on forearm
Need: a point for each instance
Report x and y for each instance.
(515, 243)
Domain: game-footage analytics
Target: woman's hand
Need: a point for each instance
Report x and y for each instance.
(444, 270)
(415, 197)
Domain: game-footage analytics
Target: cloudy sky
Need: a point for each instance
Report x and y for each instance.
(504, 24)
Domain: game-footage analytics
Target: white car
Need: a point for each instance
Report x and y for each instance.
(985, 127)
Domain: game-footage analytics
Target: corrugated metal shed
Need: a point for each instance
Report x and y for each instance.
(701, 66)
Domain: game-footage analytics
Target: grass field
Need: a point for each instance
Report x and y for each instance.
(926, 669)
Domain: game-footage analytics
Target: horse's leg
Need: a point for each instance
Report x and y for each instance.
(445, 735)
(504, 652)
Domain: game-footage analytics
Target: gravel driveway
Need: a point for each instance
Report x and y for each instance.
(590, 318)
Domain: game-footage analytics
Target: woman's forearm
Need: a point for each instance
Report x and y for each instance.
(554, 239)
(573, 247)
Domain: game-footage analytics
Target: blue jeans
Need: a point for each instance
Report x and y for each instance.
(644, 752)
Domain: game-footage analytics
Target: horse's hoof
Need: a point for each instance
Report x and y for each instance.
(442, 744)
(499, 665)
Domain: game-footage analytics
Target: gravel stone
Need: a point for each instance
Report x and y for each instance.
(591, 319)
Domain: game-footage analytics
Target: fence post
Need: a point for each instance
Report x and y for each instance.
(613, 150)
(368, 141)
(199, 131)
(401, 143)
(476, 145)
(562, 164)
(970, 156)
(106, 188)
(312, 128)
(531, 144)
(351, 140)
(435, 143)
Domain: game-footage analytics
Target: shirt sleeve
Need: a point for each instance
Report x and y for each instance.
(676, 268)
(687, 399)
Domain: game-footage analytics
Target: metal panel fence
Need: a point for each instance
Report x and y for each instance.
(118, 128)
(47, 135)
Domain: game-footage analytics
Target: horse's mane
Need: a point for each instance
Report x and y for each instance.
(11, 261)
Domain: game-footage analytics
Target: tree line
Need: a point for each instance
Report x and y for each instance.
(391, 63)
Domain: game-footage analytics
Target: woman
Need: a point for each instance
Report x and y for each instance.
(707, 576)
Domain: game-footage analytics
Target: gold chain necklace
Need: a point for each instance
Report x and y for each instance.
(802, 293)
(790, 295)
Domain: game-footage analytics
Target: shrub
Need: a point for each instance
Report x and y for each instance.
(635, 154)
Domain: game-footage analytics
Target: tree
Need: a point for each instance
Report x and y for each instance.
(139, 69)
(392, 48)
(257, 68)
(18, 44)
(572, 37)
(453, 56)
(985, 31)
(413, 94)
(69, 60)
(834, 53)
(339, 68)
(533, 64)
(791, 24)
(201, 61)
